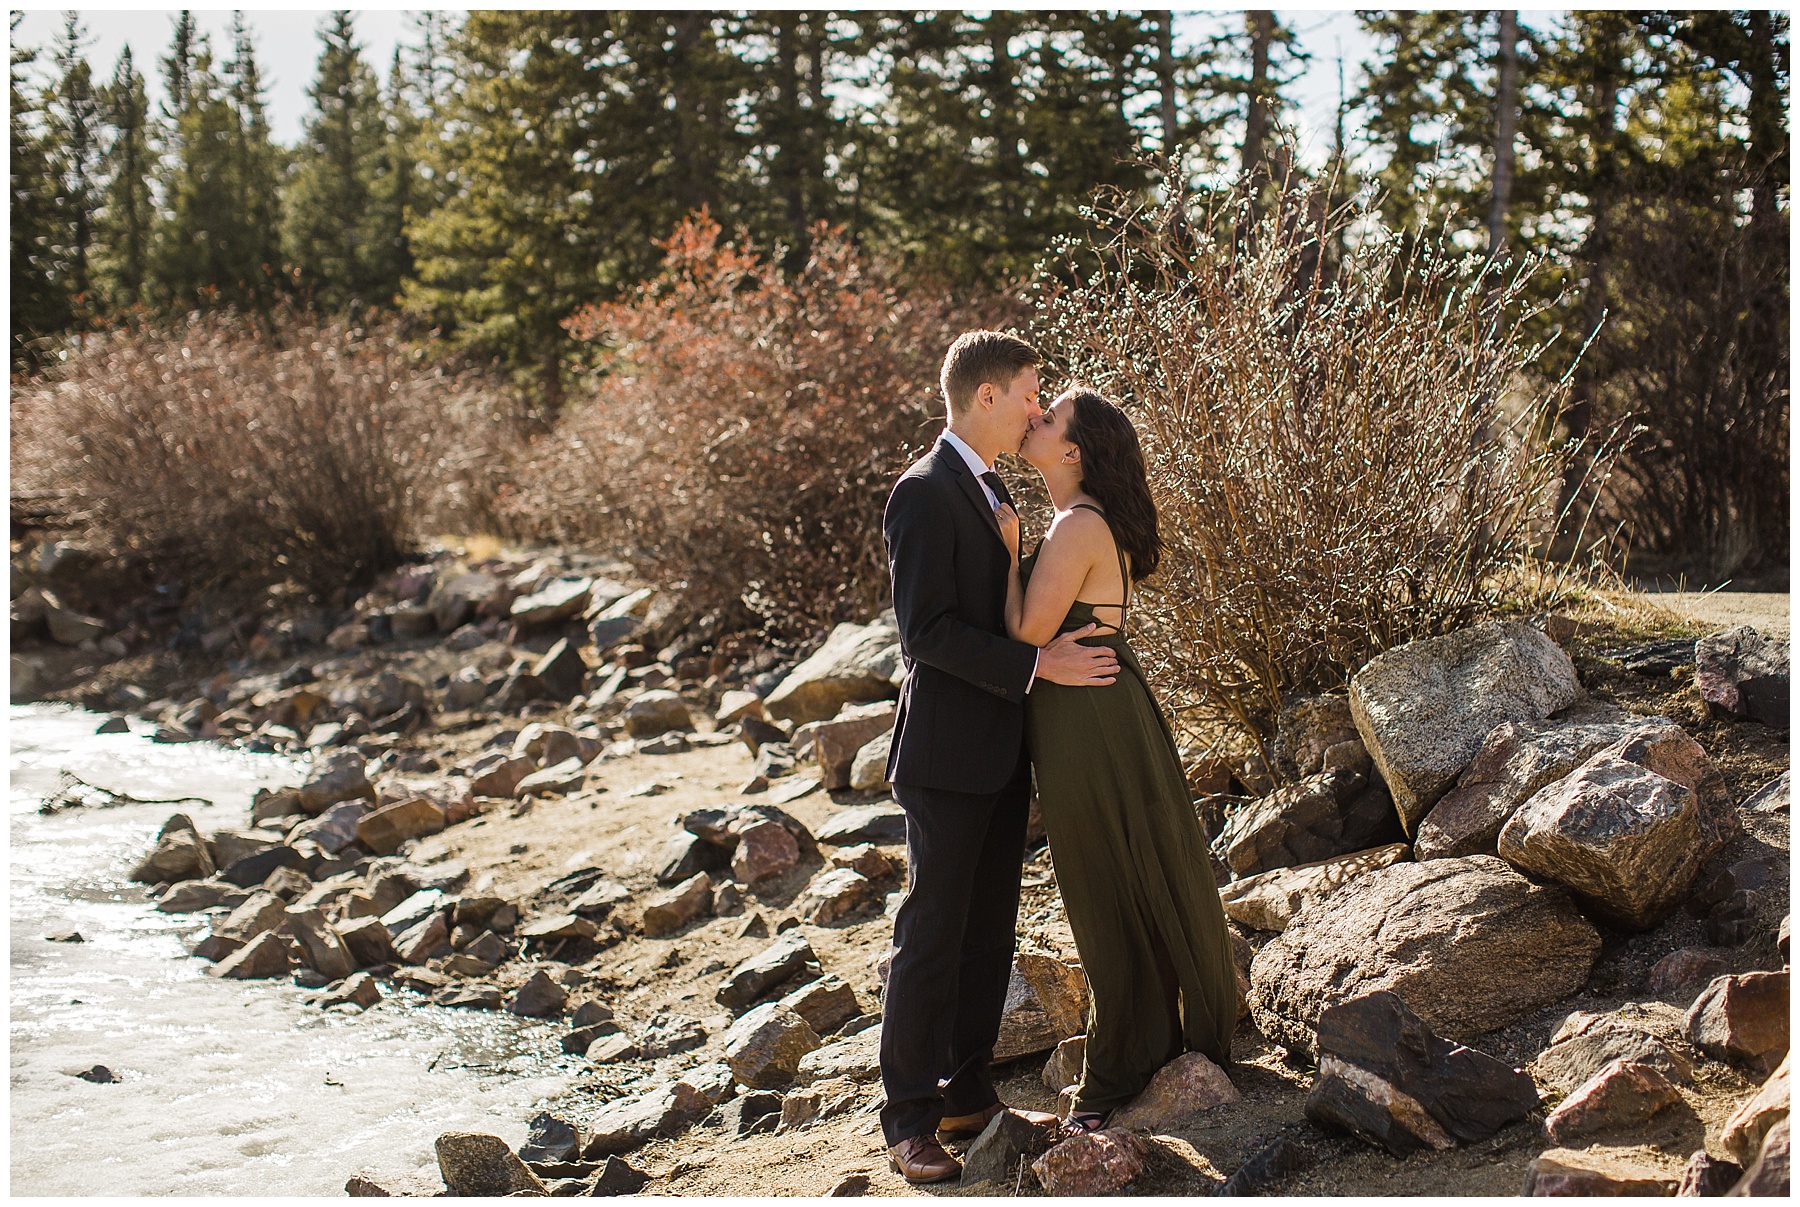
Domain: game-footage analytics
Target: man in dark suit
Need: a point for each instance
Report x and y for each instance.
(958, 761)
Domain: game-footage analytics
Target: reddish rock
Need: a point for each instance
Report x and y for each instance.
(424, 940)
(1585, 1043)
(1742, 1019)
(359, 989)
(1708, 1177)
(751, 979)
(734, 706)
(180, 854)
(765, 1046)
(1563, 1173)
(1046, 1003)
(1184, 1087)
(1769, 1175)
(857, 663)
(865, 858)
(765, 850)
(1622, 1094)
(834, 742)
(321, 946)
(669, 912)
(657, 712)
(502, 777)
(369, 942)
(264, 956)
(539, 997)
(344, 776)
(1098, 1163)
(1744, 1131)
(385, 829)
(1681, 972)
(832, 894)
(826, 1004)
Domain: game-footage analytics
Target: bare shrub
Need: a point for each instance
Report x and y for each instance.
(222, 451)
(1345, 438)
(749, 423)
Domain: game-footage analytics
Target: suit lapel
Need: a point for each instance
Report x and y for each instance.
(970, 486)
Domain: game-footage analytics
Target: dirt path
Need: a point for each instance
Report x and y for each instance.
(1766, 611)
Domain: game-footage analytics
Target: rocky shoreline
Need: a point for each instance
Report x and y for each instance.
(1555, 855)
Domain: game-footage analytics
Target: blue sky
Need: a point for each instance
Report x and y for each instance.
(288, 47)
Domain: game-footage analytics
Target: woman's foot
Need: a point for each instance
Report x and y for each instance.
(1080, 1123)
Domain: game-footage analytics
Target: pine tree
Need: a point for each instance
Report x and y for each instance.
(123, 237)
(40, 300)
(394, 193)
(579, 139)
(257, 166)
(332, 237)
(73, 112)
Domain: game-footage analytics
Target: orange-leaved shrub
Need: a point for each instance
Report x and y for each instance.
(748, 422)
(227, 451)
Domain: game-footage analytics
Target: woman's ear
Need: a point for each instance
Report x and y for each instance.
(1072, 457)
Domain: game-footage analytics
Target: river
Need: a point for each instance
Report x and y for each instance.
(225, 1087)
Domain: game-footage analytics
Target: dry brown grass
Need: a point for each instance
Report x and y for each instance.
(225, 452)
(1347, 442)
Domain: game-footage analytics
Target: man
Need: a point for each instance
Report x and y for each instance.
(958, 761)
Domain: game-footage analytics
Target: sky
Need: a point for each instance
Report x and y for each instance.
(287, 48)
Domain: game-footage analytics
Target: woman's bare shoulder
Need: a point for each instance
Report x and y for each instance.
(1079, 529)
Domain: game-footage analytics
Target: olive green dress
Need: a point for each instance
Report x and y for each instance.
(1131, 862)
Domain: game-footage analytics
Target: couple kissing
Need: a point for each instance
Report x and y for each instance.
(1015, 664)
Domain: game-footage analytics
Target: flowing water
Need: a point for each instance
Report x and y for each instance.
(225, 1087)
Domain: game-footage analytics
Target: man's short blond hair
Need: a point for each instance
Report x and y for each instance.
(995, 357)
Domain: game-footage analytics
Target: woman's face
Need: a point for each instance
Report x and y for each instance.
(1045, 444)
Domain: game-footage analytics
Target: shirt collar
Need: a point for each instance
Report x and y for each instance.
(969, 455)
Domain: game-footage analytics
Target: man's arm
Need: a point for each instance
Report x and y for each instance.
(921, 546)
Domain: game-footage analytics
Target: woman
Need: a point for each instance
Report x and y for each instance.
(1131, 858)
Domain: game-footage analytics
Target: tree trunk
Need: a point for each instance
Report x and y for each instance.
(790, 139)
(1165, 77)
(1506, 122)
(1261, 24)
(1003, 94)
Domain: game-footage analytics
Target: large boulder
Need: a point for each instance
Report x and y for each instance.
(1180, 1089)
(1269, 901)
(1517, 759)
(1743, 674)
(1468, 944)
(868, 770)
(836, 742)
(1628, 830)
(1571, 1173)
(1622, 1094)
(1386, 1078)
(1424, 708)
(1046, 1003)
(630, 1123)
(321, 946)
(1333, 813)
(1770, 1175)
(854, 666)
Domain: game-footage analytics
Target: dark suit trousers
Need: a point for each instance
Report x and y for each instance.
(953, 949)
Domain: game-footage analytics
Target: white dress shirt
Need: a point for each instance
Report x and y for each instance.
(978, 467)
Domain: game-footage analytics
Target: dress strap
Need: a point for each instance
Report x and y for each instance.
(1124, 577)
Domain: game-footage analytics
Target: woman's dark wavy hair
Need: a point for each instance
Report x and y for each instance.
(1113, 471)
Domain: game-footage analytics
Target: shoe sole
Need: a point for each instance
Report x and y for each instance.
(912, 1181)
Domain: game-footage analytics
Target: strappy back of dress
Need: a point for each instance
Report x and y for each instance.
(1124, 577)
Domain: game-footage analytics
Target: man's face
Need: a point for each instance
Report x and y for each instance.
(1016, 405)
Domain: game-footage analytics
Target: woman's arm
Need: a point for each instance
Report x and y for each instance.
(1067, 555)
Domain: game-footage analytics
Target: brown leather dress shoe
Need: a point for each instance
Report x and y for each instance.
(921, 1160)
(960, 1129)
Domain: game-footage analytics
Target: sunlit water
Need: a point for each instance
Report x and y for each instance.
(228, 1087)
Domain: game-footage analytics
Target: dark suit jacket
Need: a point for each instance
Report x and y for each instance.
(961, 721)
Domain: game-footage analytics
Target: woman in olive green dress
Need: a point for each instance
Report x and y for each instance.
(1131, 858)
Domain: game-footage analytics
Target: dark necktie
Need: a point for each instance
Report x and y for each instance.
(997, 486)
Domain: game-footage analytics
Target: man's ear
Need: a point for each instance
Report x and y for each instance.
(984, 394)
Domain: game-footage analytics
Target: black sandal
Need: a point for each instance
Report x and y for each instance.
(1081, 1123)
